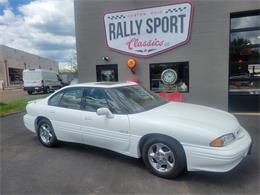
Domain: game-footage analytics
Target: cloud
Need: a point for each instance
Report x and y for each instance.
(42, 27)
(3, 2)
(8, 17)
(56, 16)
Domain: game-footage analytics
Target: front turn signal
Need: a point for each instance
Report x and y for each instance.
(223, 140)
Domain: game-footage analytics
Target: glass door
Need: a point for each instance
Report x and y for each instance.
(244, 62)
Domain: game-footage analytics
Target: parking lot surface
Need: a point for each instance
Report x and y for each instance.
(28, 167)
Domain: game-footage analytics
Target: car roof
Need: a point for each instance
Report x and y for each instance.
(104, 84)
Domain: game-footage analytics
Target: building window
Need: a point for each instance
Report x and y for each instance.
(107, 72)
(244, 61)
(15, 76)
(169, 77)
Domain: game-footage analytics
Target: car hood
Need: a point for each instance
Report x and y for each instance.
(195, 114)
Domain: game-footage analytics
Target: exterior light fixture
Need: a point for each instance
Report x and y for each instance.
(131, 64)
(105, 58)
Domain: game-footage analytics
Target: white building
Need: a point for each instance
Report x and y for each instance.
(14, 61)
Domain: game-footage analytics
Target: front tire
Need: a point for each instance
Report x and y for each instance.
(46, 133)
(46, 90)
(164, 157)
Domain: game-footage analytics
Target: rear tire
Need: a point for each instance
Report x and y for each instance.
(46, 133)
(164, 157)
(29, 92)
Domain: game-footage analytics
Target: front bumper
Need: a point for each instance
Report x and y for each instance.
(218, 159)
(33, 89)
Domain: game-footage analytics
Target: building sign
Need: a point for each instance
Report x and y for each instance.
(149, 31)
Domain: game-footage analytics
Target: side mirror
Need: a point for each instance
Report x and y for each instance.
(105, 111)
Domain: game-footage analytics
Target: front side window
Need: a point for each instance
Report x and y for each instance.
(93, 99)
(71, 98)
(137, 99)
(114, 104)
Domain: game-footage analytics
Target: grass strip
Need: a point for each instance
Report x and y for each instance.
(7, 108)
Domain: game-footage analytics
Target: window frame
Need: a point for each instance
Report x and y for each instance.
(100, 67)
(63, 91)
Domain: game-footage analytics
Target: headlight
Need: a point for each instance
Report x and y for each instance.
(223, 140)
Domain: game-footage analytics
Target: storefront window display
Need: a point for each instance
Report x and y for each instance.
(244, 67)
(169, 77)
(244, 54)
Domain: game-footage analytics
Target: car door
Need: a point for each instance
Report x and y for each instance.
(64, 113)
(101, 131)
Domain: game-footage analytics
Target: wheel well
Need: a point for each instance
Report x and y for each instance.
(148, 136)
(38, 119)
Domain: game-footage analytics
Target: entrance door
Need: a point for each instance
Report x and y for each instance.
(244, 64)
(107, 72)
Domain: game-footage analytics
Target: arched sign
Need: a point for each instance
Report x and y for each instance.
(149, 31)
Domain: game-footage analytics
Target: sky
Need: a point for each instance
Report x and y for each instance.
(42, 27)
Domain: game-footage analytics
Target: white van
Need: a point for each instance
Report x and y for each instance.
(40, 80)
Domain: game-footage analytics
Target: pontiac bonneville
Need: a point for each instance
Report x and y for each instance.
(170, 137)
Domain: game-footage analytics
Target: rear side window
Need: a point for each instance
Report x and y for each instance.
(71, 98)
(55, 100)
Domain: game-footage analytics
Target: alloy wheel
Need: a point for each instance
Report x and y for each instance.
(161, 157)
(45, 133)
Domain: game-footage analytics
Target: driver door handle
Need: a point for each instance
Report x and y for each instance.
(123, 131)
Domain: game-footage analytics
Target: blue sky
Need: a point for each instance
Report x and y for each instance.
(15, 3)
(41, 27)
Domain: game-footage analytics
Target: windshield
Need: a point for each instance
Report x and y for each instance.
(136, 98)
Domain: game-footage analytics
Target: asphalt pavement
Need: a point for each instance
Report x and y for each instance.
(29, 168)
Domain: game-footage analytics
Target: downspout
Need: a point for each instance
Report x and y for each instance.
(6, 73)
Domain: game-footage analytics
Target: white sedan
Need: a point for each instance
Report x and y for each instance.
(124, 117)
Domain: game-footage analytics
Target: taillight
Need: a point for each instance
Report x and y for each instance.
(42, 82)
